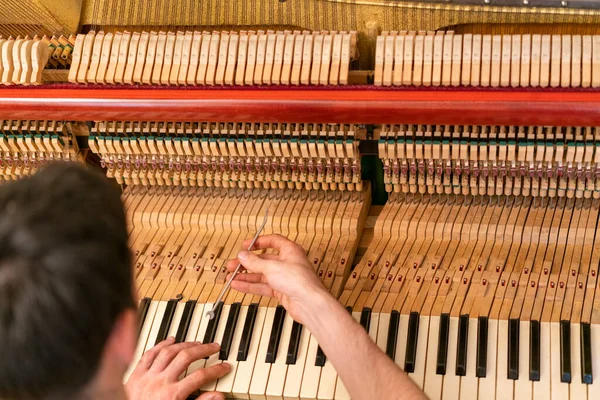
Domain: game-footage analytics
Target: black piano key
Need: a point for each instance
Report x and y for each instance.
(232, 318)
(275, 335)
(565, 351)
(365, 318)
(586, 354)
(534, 351)
(482, 344)
(247, 332)
(166, 321)
(461, 350)
(211, 329)
(513, 349)
(410, 358)
(186, 319)
(143, 312)
(292, 352)
(392, 338)
(442, 350)
(321, 358)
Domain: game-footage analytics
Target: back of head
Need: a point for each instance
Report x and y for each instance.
(65, 277)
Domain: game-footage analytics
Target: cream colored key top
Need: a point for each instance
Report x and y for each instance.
(142, 340)
(316, 59)
(288, 58)
(420, 361)
(199, 336)
(40, 53)
(26, 67)
(231, 58)
(213, 57)
(487, 385)
(486, 60)
(596, 61)
(75, 61)
(294, 379)
(545, 60)
(336, 50)
(260, 376)
(307, 54)
(467, 48)
(245, 369)
(107, 44)
(541, 388)
(261, 50)
(565, 66)
(160, 312)
(111, 69)
(225, 384)
(214, 359)
(451, 387)
(433, 381)
(131, 58)
(417, 76)
(177, 56)
(468, 383)
(277, 59)
(594, 388)
(2, 41)
(506, 54)
(380, 48)
(586, 61)
(427, 59)
(203, 63)
(297, 60)
(558, 390)
(95, 59)
(388, 59)
(326, 58)
(577, 389)
(382, 330)
(122, 59)
(186, 50)
(476, 60)
(438, 54)
(194, 58)
(401, 341)
(269, 57)
(240, 71)
(86, 55)
(251, 60)
(515, 61)
(555, 60)
(504, 386)
(456, 60)
(576, 61)
(525, 60)
(279, 368)
(409, 47)
(168, 56)
(447, 59)
(309, 385)
(16, 57)
(177, 314)
(345, 58)
(523, 385)
(222, 59)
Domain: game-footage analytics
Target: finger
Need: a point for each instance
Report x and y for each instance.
(255, 263)
(249, 277)
(273, 241)
(211, 396)
(196, 379)
(261, 289)
(184, 358)
(148, 358)
(167, 354)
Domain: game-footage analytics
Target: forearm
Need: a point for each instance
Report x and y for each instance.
(366, 371)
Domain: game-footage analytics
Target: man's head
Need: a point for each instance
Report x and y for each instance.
(66, 300)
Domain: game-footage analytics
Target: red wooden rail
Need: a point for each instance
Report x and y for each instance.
(365, 105)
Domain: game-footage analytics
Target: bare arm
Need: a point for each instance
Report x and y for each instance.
(366, 371)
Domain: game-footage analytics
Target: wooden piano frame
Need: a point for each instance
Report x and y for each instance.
(364, 105)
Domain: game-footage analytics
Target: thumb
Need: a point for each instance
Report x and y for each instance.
(211, 396)
(253, 262)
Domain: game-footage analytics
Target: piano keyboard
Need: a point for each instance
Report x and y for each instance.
(181, 238)
(214, 58)
(484, 297)
(447, 59)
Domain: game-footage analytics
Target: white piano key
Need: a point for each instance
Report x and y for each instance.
(214, 359)
(523, 386)
(245, 369)
(160, 312)
(468, 383)
(382, 331)
(279, 368)
(401, 342)
(419, 375)
(373, 327)
(176, 319)
(328, 382)
(201, 330)
(451, 386)
(142, 340)
(260, 376)
(541, 389)
(294, 381)
(433, 382)
(225, 384)
(558, 390)
(578, 389)
(487, 385)
(309, 385)
(594, 388)
(504, 386)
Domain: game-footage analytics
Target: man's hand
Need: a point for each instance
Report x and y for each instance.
(287, 275)
(157, 374)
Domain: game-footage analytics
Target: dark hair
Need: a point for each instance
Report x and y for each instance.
(65, 276)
